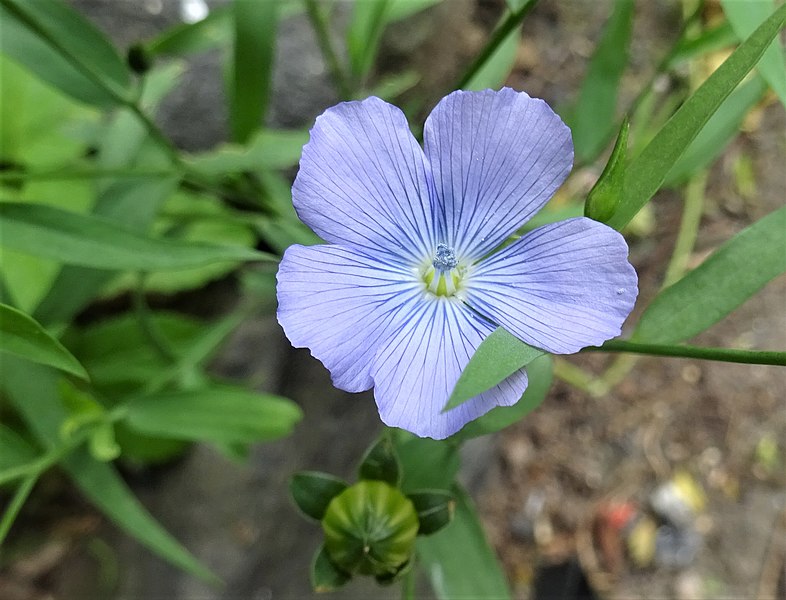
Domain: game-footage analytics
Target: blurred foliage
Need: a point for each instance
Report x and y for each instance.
(97, 203)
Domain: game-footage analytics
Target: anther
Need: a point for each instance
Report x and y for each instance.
(445, 258)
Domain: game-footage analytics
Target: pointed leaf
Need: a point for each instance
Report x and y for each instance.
(381, 462)
(459, 561)
(539, 374)
(605, 195)
(435, 509)
(648, 170)
(426, 464)
(313, 491)
(325, 576)
(32, 390)
(22, 336)
(722, 127)
(222, 414)
(744, 18)
(65, 49)
(736, 271)
(593, 119)
(255, 40)
(499, 356)
(102, 244)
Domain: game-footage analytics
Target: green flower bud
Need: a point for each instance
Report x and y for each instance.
(370, 529)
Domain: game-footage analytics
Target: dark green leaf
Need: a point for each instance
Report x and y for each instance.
(380, 462)
(722, 127)
(593, 119)
(313, 491)
(325, 576)
(133, 202)
(186, 38)
(539, 373)
(499, 356)
(22, 336)
(459, 561)
(435, 509)
(32, 390)
(364, 35)
(736, 271)
(497, 67)
(219, 414)
(60, 46)
(710, 40)
(605, 195)
(648, 170)
(103, 244)
(744, 18)
(255, 42)
(426, 464)
(14, 449)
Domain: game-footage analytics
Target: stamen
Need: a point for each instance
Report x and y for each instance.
(445, 258)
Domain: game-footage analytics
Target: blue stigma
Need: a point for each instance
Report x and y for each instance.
(445, 258)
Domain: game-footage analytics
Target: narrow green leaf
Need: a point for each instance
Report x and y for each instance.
(648, 170)
(593, 119)
(539, 374)
(133, 202)
(496, 68)
(187, 38)
(217, 414)
(605, 195)
(325, 576)
(14, 449)
(435, 509)
(458, 559)
(313, 491)
(32, 390)
(736, 271)
(744, 18)
(255, 42)
(402, 9)
(90, 241)
(499, 356)
(104, 487)
(710, 40)
(381, 462)
(61, 47)
(364, 35)
(23, 336)
(269, 149)
(722, 127)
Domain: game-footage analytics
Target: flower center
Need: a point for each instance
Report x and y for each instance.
(443, 276)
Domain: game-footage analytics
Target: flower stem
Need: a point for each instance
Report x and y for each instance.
(512, 21)
(18, 500)
(322, 30)
(752, 357)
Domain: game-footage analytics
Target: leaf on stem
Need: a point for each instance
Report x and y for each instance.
(90, 241)
(649, 169)
(736, 271)
(23, 336)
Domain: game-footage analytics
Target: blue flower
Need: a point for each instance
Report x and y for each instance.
(407, 286)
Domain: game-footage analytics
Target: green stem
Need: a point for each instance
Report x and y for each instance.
(321, 26)
(512, 21)
(752, 357)
(408, 583)
(689, 228)
(10, 514)
(149, 329)
(579, 378)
